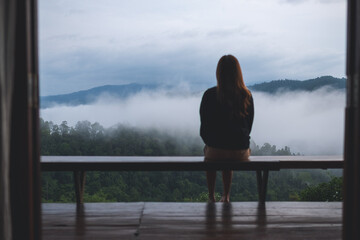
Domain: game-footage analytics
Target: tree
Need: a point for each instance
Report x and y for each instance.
(329, 192)
(64, 128)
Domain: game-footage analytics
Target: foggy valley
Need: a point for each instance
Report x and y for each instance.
(309, 122)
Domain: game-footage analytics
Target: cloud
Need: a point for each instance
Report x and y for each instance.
(293, 1)
(163, 110)
(308, 122)
(319, 1)
(89, 43)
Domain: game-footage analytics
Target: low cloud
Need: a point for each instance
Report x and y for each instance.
(307, 122)
(161, 110)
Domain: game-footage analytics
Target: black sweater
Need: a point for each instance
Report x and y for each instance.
(220, 128)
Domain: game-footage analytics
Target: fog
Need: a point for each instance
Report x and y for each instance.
(307, 122)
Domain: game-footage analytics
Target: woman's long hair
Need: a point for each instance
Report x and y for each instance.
(231, 89)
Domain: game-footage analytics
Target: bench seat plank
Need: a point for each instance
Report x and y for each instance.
(163, 163)
(183, 163)
(311, 162)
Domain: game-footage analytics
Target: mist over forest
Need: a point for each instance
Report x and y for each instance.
(307, 122)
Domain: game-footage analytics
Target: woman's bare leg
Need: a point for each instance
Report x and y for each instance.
(211, 178)
(227, 177)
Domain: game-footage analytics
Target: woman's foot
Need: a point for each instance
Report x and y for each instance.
(227, 177)
(225, 199)
(211, 178)
(211, 199)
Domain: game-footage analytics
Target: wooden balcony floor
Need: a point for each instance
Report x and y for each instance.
(238, 220)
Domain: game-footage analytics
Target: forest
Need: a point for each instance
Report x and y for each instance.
(92, 139)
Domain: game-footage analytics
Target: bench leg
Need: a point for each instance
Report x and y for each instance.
(262, 180)
(79, 178)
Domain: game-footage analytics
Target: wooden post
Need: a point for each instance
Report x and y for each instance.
(262, 180)
(25, 147)
(351, 208)
(79, 180)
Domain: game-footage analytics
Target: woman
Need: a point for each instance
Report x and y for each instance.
(227, 114)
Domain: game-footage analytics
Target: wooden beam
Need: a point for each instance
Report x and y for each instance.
(351, 209)
(25, 163)
(184, 163)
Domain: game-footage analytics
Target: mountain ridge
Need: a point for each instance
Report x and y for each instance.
(276, 86)
(92, 94)
(126, 90)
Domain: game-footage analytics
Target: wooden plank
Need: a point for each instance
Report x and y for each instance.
(93, 221)
(150, 166)
(183, 163)
(77, 163)
(241, 221)
(162, 159)
(306, 162)
(313, 164)
(238, 220)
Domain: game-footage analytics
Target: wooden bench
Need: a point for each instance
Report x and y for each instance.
(261, 164)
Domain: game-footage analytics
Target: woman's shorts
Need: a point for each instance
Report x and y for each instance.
(216, 154)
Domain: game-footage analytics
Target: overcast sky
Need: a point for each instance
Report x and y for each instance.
(88, 43)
